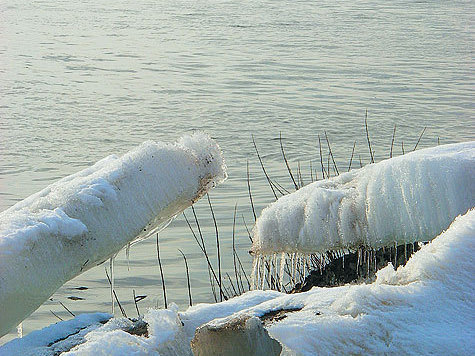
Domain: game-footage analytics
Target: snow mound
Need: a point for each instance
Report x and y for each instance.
(400, 200)
(88, 217)
(424, 307)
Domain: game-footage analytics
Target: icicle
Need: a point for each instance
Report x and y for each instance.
(127, 256)
(358, 262)
(282, 265)
(375, 262)
(255, 272)
(19, 330)
(395, 254)
(264, 270)
(111, 272)
(274, 270)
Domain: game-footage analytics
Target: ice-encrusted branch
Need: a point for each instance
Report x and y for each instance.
(88, 217)
(400, 200)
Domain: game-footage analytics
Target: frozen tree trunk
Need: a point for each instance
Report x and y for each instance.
(86, 218)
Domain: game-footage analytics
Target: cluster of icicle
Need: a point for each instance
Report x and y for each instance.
(403, 200)
(277, 271)
(280, 271)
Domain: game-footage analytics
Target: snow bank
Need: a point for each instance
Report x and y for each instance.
(425, 307)
(55, 338)
(400, 200)
(86, 218)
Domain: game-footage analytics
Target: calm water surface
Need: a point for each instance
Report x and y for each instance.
(79, 81)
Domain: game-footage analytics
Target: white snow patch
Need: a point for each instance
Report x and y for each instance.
(425, 307)
(54, 338)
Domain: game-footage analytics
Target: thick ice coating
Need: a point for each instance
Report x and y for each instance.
(84, 219)
(400, 200)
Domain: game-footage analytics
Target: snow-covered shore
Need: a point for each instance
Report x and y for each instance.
(425, 307)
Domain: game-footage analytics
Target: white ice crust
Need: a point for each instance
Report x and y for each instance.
(423, 308)
(400, 200)
(88, 217)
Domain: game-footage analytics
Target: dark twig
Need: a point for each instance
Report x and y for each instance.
(222, 295)
(299, 171)
(367, 136)
(52, 312)
(234, 246)
(286, 162)
(232, 284)
(69, 311)
(187, 277)
(161, 275)
(352, 153)
(249, 190)
(331, 154)
(204, 250)
(263, 168)
(321, 157)
(135, 302)
(417, 143)
(210, 266)
(247, 229)
(392, 142)
(122, 310)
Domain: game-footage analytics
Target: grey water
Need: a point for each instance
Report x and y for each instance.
(82, 80)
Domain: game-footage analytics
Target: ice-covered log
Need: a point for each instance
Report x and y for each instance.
(88, 217)
(400, 200)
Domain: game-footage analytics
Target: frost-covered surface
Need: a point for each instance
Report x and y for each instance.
(55, 338)
(86, 218)
(425, 307)
(400, 200)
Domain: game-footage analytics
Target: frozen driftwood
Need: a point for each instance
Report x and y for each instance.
(84, 219)
(400, 200)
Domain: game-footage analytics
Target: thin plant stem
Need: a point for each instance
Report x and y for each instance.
(331, 154)
(352, 154)
(222, 295)
(187, 278)
(249, 190)
(287, 163)
(263, 168)
(161, 275)
(419, 140)
(392, 142)
(367, 136)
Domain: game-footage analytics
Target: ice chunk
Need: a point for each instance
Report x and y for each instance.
(400, 200)
(86, 218)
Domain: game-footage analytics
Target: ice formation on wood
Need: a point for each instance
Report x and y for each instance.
(397, 201)
(88, 217)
